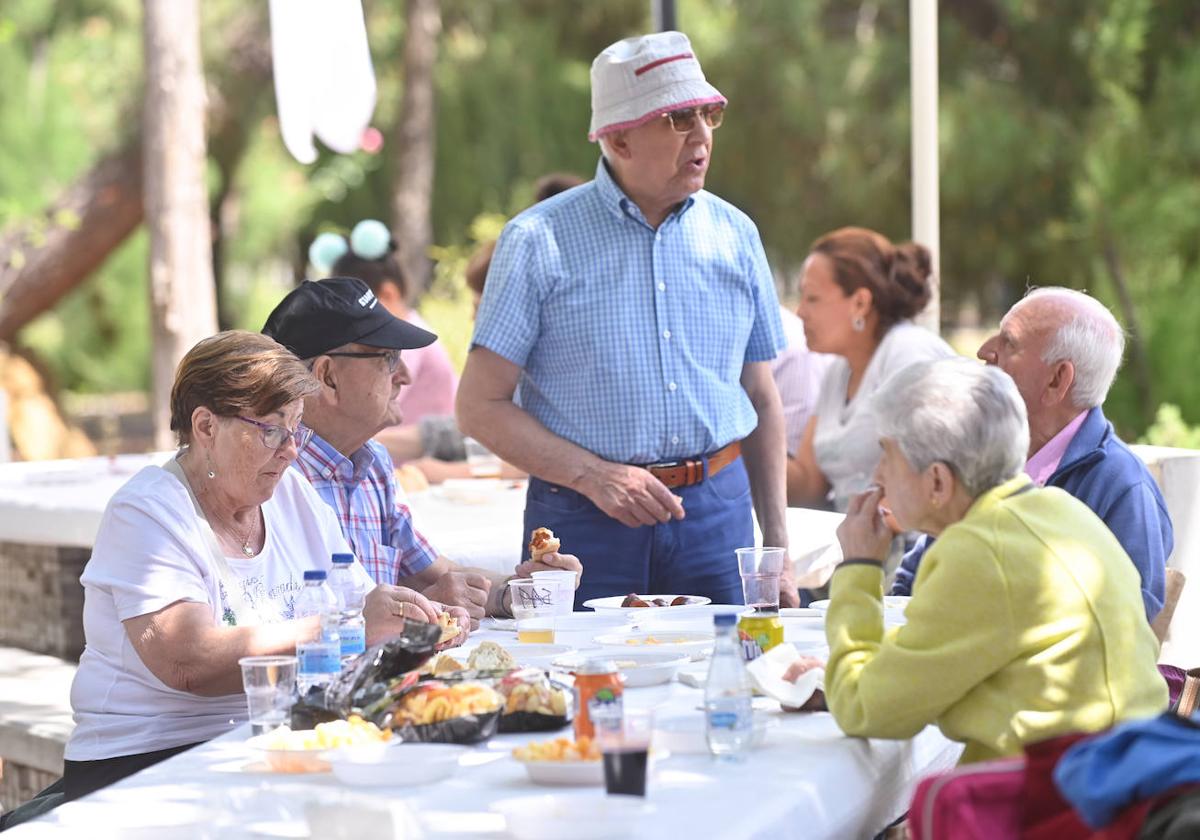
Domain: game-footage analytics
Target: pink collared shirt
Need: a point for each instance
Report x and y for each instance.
(1046, 460)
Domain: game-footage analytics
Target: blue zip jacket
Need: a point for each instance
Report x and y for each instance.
(1103, 473)
(1138, 760)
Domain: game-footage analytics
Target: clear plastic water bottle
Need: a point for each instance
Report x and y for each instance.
(319, 655)
(729, 722)
(350, 594)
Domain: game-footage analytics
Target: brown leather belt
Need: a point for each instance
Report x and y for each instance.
(689, 471)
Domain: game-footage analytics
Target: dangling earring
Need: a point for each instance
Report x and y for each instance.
(211, 473)
(858, 324)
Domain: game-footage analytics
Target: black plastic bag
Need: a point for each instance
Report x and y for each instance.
(369, 678)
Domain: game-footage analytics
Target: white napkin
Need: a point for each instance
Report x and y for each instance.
(766, 672)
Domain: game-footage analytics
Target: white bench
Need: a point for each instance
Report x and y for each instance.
(35, 722)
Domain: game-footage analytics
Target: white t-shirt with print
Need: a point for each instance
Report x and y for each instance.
(151, 552)
(846, 440)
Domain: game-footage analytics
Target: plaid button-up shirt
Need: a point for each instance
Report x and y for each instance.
(362, 491)
(632, 339)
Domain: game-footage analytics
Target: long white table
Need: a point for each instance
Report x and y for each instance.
(809, 781)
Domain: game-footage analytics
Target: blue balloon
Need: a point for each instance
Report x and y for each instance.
(370, 239)
(326, 250)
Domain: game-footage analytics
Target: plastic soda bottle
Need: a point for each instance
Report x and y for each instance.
(729, 722)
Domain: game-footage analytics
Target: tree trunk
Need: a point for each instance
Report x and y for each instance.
(182, 304)
(42, 260)
(415, 147)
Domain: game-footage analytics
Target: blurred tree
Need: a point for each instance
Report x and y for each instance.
(415, 135)
(1068, 149)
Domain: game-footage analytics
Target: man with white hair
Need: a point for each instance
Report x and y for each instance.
(1062, 348)
(633, 318)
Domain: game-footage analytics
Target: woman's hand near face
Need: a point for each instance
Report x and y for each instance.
(387, 607)
(864, 534)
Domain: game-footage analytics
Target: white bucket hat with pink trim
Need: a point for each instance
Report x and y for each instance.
(638, 79)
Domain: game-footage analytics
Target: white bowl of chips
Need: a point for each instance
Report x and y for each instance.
(302, 750)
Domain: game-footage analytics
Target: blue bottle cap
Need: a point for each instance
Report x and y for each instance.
(314, 574)
(343, 558)
(724, 619)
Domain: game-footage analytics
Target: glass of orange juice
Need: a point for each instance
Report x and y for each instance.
(534, 609)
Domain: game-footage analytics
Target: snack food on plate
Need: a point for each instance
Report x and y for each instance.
(352, 732)
(434, 701)
(489, 656)
(635, 600)
(453, 713)
(533, 702)
(542, 542)
(449, 627)
(560, 749)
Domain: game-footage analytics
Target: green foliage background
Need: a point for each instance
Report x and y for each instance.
(1070, 152)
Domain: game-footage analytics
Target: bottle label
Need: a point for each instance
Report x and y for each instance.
(726, 720)
(319, 660)
(354, 639)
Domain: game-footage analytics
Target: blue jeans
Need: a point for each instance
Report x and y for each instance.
(690, 556)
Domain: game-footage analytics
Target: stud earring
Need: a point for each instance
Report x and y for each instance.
(858, 324)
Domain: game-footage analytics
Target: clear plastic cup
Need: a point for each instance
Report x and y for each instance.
(760, 568)
(534, 608)
(563, 584)
(270, 684)
(624, 737)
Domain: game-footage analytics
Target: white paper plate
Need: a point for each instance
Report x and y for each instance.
(565, 773)
(890, 602)
(639, 668)
(395, 764)
(802, 612)
(536, 655)
(613, 602)
(694, 643)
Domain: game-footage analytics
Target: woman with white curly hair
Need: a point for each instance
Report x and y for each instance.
(1025, 620)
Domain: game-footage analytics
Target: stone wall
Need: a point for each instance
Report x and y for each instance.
(41, 599)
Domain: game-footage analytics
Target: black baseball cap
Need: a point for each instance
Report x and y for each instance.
(319, 315)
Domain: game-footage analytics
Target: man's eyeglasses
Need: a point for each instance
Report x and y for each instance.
(392, 356)
(684, 120)
(274, 437)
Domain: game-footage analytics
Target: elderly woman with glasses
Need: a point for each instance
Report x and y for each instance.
(1025, 620)
(198, 563)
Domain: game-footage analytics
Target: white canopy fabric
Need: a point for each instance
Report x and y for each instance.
(324, 79)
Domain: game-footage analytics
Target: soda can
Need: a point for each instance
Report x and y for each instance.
(759, 632)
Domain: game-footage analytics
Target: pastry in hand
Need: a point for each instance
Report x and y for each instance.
(449, 625)
(542, 542)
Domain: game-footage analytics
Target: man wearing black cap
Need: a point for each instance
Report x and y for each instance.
(353, 345)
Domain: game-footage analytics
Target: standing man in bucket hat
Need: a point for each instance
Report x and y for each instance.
(633, 319)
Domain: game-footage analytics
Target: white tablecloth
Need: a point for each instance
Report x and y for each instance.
(809, 782)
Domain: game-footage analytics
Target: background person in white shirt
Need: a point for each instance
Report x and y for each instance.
(858, 294)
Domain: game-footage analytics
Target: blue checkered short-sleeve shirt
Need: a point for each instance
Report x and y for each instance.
(632, 340)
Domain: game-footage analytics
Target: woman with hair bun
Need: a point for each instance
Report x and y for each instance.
(369, 255)
(858, 295)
